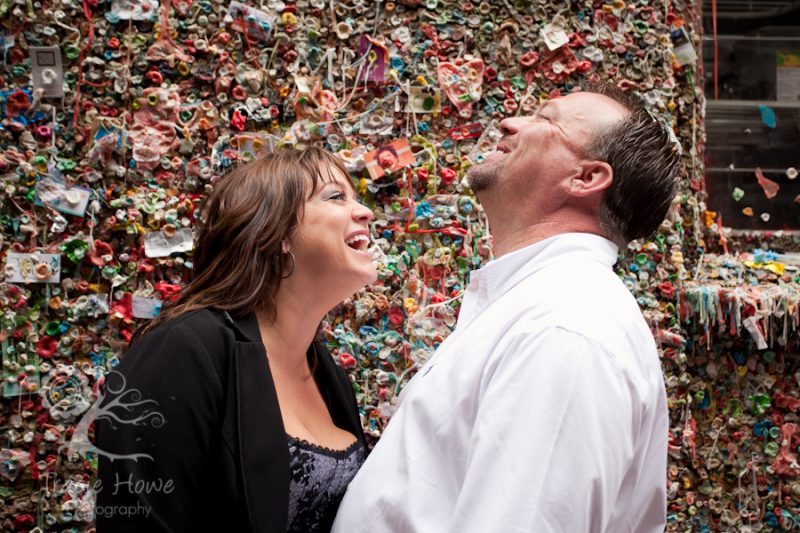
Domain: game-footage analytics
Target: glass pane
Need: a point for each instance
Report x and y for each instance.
(755, 123)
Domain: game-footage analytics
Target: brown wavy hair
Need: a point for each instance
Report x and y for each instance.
(238, 260)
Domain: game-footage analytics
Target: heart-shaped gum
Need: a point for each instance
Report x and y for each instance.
(461, 82)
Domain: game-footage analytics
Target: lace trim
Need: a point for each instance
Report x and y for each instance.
(339, 454)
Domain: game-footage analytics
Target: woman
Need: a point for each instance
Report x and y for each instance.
(244, 422)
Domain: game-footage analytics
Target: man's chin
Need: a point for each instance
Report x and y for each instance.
(478, 184)
(482, 176)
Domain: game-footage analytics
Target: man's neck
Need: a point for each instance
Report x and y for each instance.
(510, 239)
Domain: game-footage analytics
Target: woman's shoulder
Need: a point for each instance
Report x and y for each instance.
(199, 321)
(196, 321)
(201, 330)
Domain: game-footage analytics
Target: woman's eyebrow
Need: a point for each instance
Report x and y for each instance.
(341, 187)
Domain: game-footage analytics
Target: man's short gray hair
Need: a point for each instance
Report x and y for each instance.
(645, 159)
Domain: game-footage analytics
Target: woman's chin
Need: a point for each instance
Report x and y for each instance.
(366, 276)
(372, 275)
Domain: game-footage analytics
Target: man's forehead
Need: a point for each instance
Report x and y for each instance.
(580, 102)
(584, 108)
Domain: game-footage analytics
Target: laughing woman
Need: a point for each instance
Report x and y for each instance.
(257, 428)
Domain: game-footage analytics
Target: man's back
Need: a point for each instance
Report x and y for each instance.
(543, 411)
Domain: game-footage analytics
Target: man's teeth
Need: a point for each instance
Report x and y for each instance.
(351, 241)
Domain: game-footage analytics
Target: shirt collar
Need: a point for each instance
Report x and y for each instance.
(246, 324)
(498, 276)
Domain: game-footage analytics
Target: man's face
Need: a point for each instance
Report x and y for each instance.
(539, 151)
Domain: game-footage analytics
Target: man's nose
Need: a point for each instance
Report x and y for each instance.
(510, 126)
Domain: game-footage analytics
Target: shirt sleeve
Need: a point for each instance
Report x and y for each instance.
(553, 438)
(155, 431)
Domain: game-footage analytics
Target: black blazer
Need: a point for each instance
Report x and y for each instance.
(220, 460)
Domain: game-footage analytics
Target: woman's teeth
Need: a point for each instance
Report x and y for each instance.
(356, 242)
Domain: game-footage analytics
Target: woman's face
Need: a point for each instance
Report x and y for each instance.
(331, 241)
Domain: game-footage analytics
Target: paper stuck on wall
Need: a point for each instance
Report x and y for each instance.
(424, 100)
(788, 76)
(253, 22)
(33, 268)
(158, 244)
(387, 159)
(72, 201)
(145, 307)
(134, 9)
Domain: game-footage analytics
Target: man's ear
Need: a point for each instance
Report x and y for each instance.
(591, 178)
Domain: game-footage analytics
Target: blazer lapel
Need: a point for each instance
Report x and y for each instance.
(338, 392)
(263, 450)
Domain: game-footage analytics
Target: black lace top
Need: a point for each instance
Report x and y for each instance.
(319, 478)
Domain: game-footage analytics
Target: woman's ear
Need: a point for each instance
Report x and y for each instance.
(591, 178)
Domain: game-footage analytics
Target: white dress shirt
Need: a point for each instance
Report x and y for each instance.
(543, 411)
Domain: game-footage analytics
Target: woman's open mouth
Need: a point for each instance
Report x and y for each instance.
(358, 242)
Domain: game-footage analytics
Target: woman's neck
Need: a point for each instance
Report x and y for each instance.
(288, 335)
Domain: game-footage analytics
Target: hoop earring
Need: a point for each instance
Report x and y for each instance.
(293, 265)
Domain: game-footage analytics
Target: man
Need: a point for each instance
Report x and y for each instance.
(545, 409)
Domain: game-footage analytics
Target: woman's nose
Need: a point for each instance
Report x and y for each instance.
(362, 213)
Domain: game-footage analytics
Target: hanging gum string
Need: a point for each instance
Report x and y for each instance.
(57, 22)
(361, 61)
(31, 214)
(278, 36)
(716, 50)
(53, 136)
(722, 239)
(90, 39)
(129, 100)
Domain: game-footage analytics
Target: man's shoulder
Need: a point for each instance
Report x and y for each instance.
(575, 292)
(597, 307)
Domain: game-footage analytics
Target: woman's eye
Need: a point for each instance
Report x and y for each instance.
(337, 196)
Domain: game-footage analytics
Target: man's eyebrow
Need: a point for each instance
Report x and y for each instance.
(553, 110)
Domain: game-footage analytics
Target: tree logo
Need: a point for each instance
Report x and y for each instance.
(66, 394)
